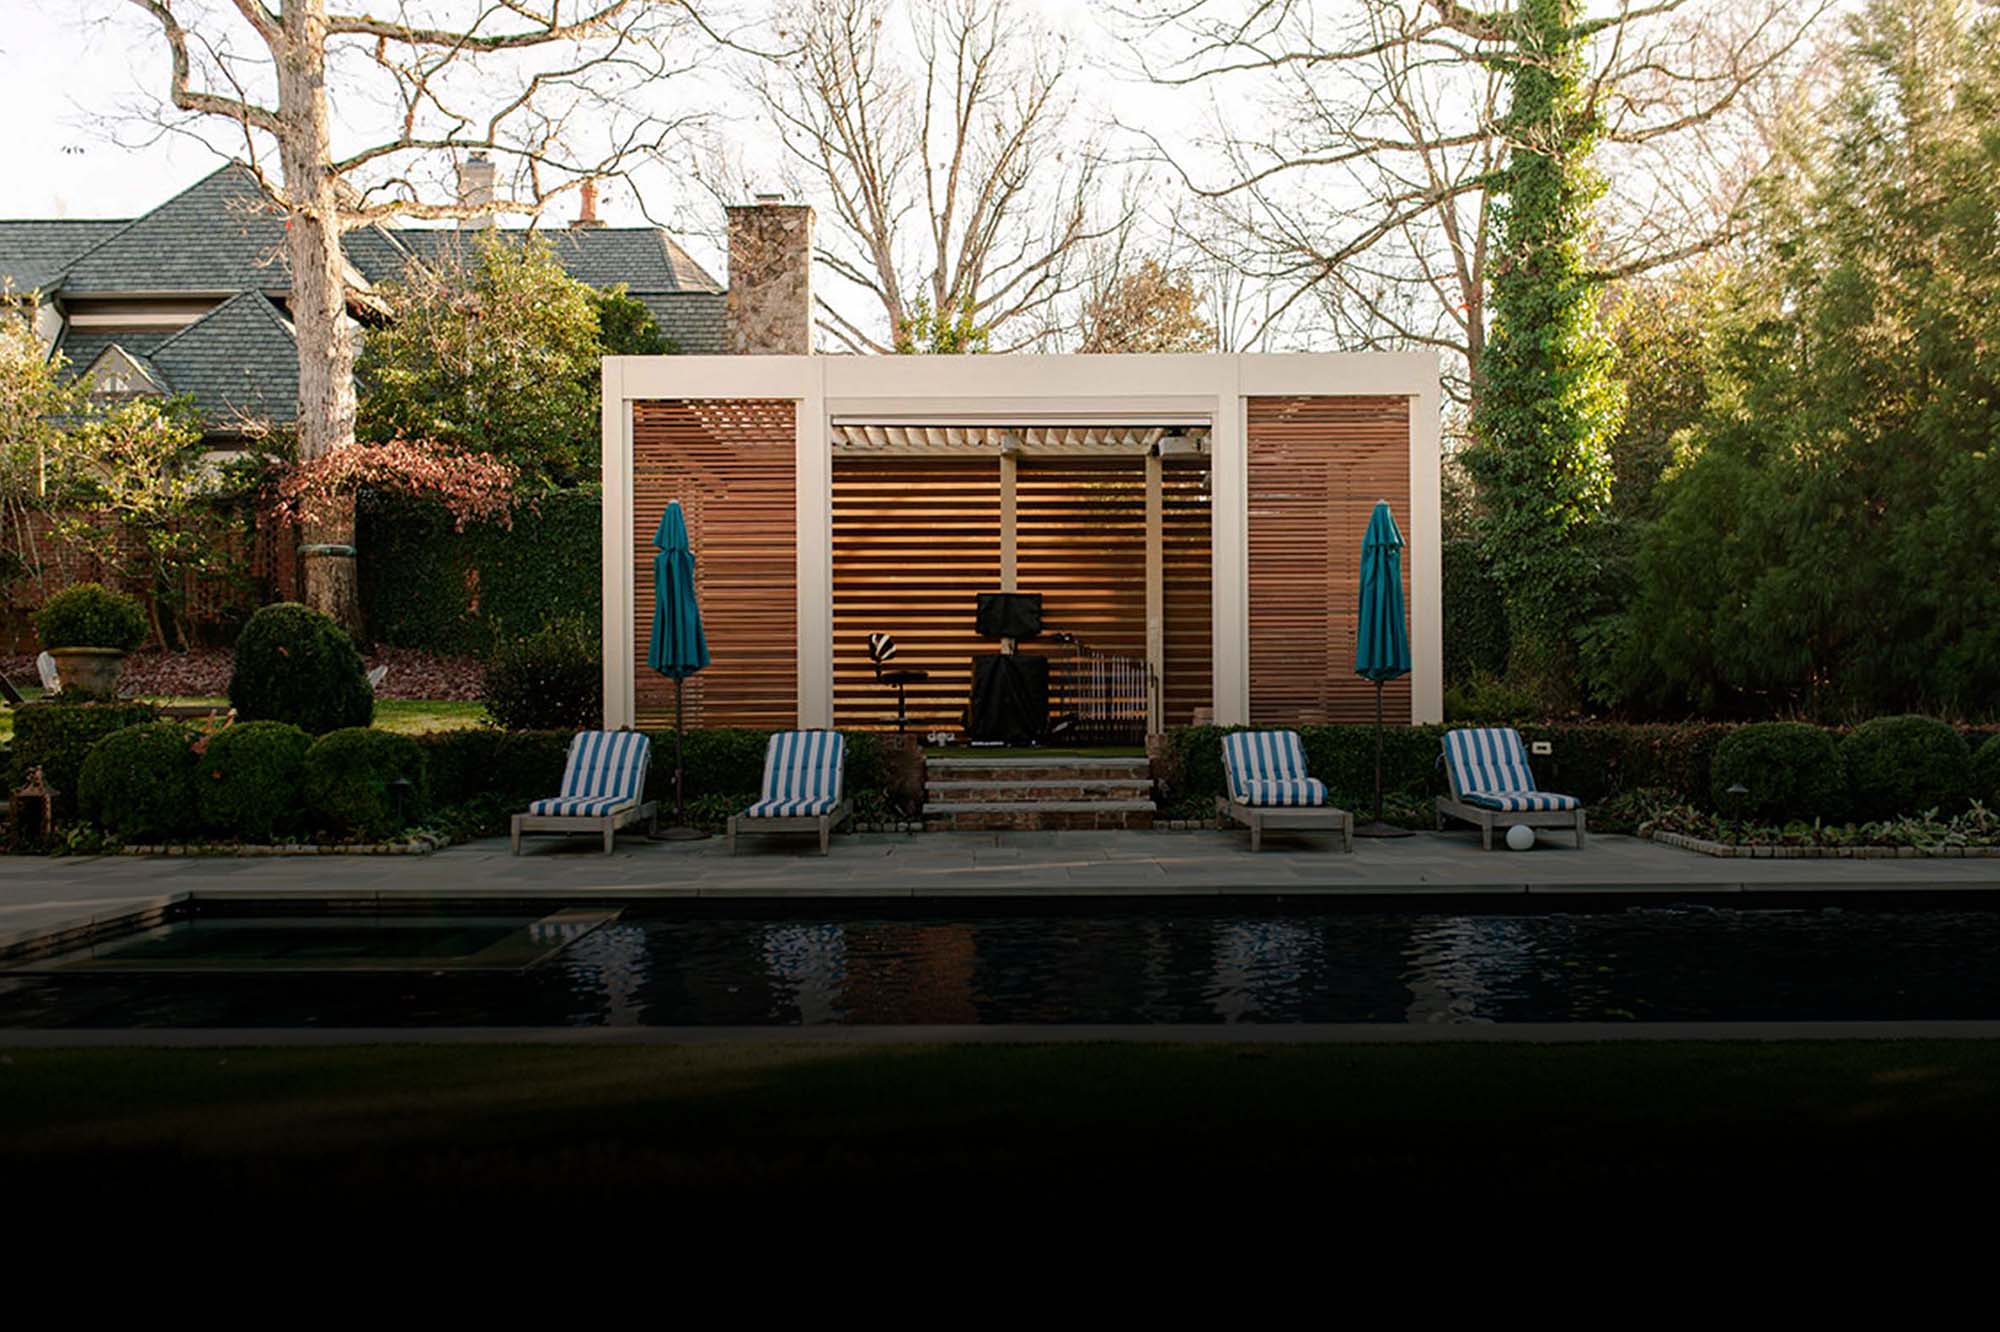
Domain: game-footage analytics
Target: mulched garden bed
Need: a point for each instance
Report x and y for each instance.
(204, 673)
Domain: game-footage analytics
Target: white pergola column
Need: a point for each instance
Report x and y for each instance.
(812, 489)
(615, 518)
(1229, 537)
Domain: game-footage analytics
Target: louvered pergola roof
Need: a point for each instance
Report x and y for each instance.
(1045, 438)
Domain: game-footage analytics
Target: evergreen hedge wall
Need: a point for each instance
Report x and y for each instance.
(426, 586)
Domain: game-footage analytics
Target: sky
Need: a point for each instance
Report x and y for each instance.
(82, 75)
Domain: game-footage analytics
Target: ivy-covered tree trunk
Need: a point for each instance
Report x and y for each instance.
(1548, 404)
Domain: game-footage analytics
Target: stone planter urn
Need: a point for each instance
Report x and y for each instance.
(89, 671)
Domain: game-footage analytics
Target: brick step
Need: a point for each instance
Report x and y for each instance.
(1036, 815)
(1046, 789)
(1034, 770)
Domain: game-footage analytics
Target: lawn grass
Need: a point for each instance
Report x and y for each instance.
(1340, 1125)
(411, 716)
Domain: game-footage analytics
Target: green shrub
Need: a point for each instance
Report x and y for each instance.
(1986, 773)
(91, 615)
(512, 767)
(1791, 770)
(56, 736)
(249, 781)
(138, 783)
(1475, 616)
(1906, 765)
(349, 783)
(552, 679)
(295, 665)
(1486, 700)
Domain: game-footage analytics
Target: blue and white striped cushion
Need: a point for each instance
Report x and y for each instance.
(1299, 791)
(1262, 756)
(606, 772)
(580, 806)
(1488, 767)
(1521, 802)
(803, 771)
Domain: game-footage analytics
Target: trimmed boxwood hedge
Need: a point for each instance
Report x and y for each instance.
(349, 778)
(249, 781)
(56, 737)
(1906, 765)
(137, 783)
(1591, 761)
(1790, 769)
(1986, 773)
(296, 665)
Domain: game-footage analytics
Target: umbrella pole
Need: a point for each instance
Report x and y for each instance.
(1379, 828)
(680, 832)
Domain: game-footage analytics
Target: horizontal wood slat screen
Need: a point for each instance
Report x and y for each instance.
(731, 464)
(1316, 467)
(915, 540)
(1082, 545)
(1189, 587)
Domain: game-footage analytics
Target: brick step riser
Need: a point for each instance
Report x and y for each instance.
(1039, 821)
(1054, 772)
(957, 792)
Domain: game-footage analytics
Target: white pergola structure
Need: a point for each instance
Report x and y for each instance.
(783, 460)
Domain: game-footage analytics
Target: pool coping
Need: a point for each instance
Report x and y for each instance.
(1226, 1034)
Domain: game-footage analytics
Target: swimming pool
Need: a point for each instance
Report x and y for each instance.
(1150, 965)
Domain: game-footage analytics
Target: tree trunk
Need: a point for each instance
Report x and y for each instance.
(319, 298)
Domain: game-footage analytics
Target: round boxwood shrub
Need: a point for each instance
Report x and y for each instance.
(551, 680)
(55, 735)
(349, 783)
(1791, 770)
(1906, 765)
(138, 783)
(296, 665)
(1986, 773)
(91, 615)
(250, 781)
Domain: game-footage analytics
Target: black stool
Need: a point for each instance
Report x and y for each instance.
(882, 648)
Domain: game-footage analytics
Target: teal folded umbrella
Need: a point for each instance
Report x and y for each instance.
(1381, 636)
(679, 647)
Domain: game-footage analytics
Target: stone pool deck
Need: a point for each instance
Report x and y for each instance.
(38, 895)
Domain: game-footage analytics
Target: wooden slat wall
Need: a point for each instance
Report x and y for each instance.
(1189, 589)
(915, 540)
(1316, 467)
(731, 464)
(1082, 544)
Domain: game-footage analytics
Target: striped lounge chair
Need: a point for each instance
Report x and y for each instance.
(1487, 769)
(603, 789)
(803, 771)
(1269, 788)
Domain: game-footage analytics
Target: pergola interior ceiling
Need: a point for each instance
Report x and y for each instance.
(870, 437)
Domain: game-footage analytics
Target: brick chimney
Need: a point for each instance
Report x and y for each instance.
(475, 187)
(769, 305)
(586, 208)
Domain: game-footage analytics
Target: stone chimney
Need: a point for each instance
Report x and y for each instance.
(475, 187)
(770, 311)
(586, 208)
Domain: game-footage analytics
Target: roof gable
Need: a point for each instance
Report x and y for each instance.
(240, 363)
(120, 372)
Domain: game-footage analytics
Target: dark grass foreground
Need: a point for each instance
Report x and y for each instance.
(389, 1125)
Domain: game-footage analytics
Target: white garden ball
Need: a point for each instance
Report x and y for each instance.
(1520, 837)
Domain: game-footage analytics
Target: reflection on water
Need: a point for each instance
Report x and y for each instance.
(1685, 964)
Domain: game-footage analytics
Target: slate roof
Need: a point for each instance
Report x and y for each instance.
(82, 347)
(645, 259)
(219, 234)
(240, 361)
(33, 250)
(693, 321)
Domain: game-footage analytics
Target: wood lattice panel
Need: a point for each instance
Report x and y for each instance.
(1189, 589)
(915, 540)
(1082, 544)
(731, 464)
(1316, 467)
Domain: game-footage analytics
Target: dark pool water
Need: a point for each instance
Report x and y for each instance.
(1684, 964)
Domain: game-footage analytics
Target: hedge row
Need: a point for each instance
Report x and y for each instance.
(1597, 760)
(513, 767)
(426, 585)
